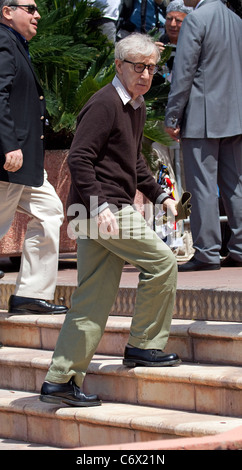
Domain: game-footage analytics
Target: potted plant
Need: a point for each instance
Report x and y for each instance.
(67, 44)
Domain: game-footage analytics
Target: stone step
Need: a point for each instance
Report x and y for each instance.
(193, 341)
(192, 302)
(13, 444)
(25, 418)
(200, 397)
(202, 388)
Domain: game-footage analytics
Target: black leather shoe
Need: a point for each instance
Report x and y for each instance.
(27, 305)
(134, 357)
(230, 262)
(194, 265)
(1, 274)
(67, 393)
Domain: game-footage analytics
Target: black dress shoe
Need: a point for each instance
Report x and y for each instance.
(195, 265)
(230, 262)
(1, 274)
(67, 393)
(27, 305)
(134, 357)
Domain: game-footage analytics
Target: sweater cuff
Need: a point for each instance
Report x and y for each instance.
(161, 198)
(99, 209)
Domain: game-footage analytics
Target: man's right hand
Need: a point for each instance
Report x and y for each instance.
(160, 46)
(14, 160)
(107, 222)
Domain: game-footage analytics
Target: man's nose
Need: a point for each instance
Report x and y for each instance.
(37, 15)
(145, 73)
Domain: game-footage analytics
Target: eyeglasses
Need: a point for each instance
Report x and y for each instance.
(139, 67)
(31, 9)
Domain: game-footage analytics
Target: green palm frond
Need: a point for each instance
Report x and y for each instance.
(155, 132)
(100, 73)
(66, 47)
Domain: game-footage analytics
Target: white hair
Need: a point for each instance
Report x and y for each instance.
(136, 44)
(178, 5)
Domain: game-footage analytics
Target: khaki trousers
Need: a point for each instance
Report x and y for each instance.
(39, 261)
(100, 264)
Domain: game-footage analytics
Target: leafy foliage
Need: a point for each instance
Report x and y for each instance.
(64, 51)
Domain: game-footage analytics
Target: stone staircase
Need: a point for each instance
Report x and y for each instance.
(201, 397)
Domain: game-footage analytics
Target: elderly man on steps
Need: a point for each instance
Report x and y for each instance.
(106, 168)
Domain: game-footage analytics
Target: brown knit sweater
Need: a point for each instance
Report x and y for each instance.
(104, 158)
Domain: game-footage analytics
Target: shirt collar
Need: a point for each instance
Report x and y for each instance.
(125, 96)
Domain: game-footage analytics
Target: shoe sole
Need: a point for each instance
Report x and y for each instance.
(139, 363)
(231, 265)
(15, 311)
(206, 268)
(58, 400)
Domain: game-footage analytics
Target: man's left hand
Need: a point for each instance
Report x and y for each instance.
(170, 205)
(174, 133)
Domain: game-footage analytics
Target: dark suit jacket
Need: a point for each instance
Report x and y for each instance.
(22, 112)
(206, 91)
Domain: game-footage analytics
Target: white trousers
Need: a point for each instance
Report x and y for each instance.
(39, 261)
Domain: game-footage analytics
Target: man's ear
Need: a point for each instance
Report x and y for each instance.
(7, 13)
(118, 64)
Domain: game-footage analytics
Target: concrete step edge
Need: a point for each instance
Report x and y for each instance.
(179, 327)
(212, 375)
(193, 341)
(230, 440)
(120, 415)
(13, 444)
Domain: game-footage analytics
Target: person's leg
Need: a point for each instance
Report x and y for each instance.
(100, 263)
(99, 273)
(230, 184)
(39, 262)
(10, 195)
(141, 247)
(200, 158)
